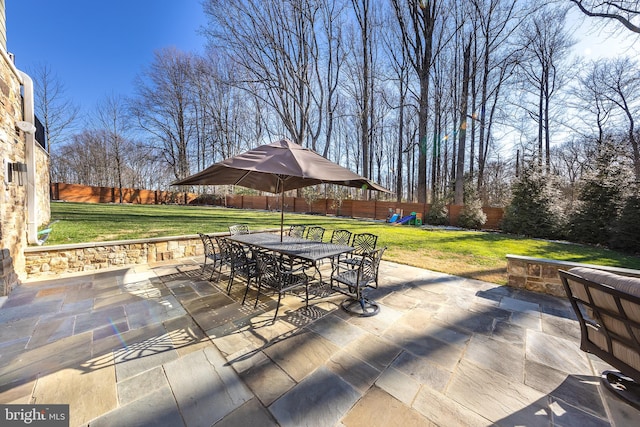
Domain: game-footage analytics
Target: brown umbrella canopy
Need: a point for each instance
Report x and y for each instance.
(278, 167)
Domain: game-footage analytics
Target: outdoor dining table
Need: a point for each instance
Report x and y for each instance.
(295, 247)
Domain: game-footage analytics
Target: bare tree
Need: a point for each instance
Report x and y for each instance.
(363, 13)
(334, 53)
(462, 137)
(163, 106)
(111, 117)
(276, 47)
(616, 83)
(58, 113)
(496, 22)
(84, 160)
(592, 104)
(417, 22)
(397, 52)
(547, 44)
(627, 12)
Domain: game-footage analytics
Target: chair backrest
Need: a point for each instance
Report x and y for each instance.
(223, 248)
(238, 229)
(297, 230)
(238, 257)
(209, 249)
(608, 309)
(364, 243)
(341, 237)
(315, 233)
(268, 266)
(368, 268)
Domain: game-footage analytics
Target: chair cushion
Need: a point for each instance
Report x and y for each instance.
(629, 285)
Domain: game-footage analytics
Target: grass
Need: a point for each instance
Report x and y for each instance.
(478, 255)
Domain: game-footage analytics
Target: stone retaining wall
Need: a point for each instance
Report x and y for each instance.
(541, 275)
(43, 261)
(49, 261)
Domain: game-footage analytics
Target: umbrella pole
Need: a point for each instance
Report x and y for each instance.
(282, 212)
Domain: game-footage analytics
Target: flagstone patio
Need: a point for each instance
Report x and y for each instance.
(160, 345)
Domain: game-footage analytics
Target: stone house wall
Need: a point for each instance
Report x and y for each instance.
(12, 195)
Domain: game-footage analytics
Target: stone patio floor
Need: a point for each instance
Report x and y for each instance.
(161, 345)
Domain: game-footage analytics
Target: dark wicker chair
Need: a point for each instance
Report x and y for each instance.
(607, 306)
(353, 281)
(275, 273)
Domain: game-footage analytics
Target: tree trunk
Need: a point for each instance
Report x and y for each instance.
(459, 184)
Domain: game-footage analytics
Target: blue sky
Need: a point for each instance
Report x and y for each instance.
(97, 47)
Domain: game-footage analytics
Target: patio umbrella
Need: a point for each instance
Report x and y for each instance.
(278, 167)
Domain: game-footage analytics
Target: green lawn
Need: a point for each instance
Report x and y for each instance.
(472, 254)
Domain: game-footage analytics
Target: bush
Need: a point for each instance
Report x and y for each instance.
(438, 214)
(472, 215)
(206, 199)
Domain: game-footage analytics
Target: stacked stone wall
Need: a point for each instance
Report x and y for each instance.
(12, 194)
(43, 261)
(541, 275)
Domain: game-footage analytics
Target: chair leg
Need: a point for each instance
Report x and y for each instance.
(257, 296)
(232, 275)
(219, 272)
(246, 291)
(277, 307)
(213, 270)
(306, 292)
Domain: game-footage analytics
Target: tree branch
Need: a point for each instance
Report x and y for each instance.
(624, 21)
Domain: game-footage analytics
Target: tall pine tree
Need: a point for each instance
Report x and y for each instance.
(599, 198)
(532, 211)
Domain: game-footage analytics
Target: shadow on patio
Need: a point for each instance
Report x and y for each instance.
(444, 350)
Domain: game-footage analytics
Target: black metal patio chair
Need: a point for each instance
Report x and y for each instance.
(297, 230)
(353, 281)
(276, 274)
(210, 253)
(225, 254)
(315, 233)
(340, 237)
(238, 229)
(363, 243)
(241, 265)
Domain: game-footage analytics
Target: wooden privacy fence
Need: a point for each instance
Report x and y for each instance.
(371, 209)
(89, 194)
